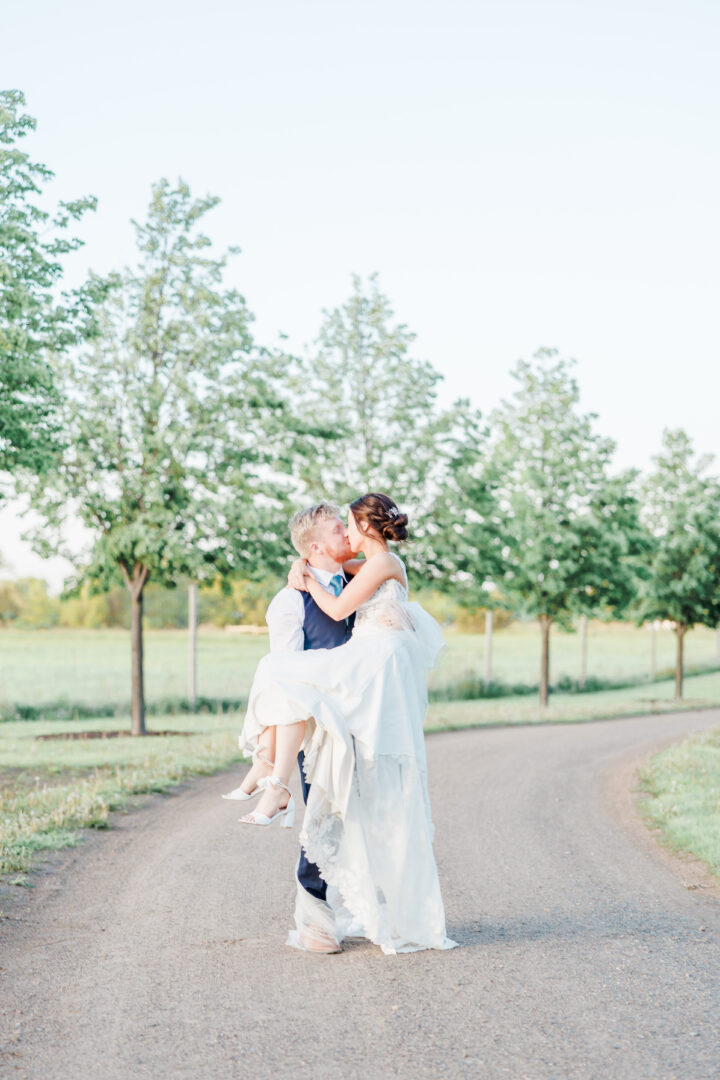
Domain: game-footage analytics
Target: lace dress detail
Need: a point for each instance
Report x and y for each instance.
(385, 610)
(367, 823)
(389, 609)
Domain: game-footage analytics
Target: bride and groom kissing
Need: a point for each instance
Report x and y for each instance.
(343, 691)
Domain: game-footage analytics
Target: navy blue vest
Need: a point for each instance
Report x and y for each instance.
(322, 632)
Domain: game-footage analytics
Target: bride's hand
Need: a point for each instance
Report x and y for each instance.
(297, 575)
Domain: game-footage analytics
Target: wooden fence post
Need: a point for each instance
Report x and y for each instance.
(583, 651)
(192, 632)
(488, 646)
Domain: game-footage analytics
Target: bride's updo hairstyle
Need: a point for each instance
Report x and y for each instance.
(382, 515)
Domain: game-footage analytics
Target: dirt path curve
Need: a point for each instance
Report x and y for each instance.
(156, 951)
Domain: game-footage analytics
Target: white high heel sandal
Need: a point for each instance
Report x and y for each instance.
(286, 816)
(237, 794)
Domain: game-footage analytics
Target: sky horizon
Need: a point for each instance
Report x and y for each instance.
(519, 174)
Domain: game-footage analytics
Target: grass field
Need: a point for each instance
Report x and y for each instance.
(52, 788)
(683, 788)
(701, 691)
(49, 789)
(92, 667)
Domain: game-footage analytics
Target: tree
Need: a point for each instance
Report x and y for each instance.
(34, 323)
(461, 538)
(379, 400)
(178, 429)
(26, 603)
(569, 530)
(682, 510)
(389, 434)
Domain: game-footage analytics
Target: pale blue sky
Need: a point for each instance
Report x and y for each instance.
(520, 174)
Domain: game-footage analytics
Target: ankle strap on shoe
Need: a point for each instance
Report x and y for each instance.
(273, 781)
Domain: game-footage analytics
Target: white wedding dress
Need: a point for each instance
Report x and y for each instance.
(367, 823)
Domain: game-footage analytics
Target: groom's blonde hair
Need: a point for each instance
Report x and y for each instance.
(303, 525)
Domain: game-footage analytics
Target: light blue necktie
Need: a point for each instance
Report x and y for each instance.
(336, 584)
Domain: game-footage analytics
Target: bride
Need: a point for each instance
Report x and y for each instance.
(357, 712)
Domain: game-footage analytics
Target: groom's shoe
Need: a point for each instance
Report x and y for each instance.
(316, 940)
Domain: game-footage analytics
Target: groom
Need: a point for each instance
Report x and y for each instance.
(297, 623)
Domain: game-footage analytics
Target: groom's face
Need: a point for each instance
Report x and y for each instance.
(331, 541)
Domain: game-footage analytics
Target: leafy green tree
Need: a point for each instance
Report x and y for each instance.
(379, 404)
(11, 602)
(379, 401)
(682, 510)
(569, 531)
(245, 603)
(34, 321)
(91, 610)
(462, 545)
(178, 428)
(26, 603)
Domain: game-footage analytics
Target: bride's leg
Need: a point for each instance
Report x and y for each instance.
(263, 760)
(288, 740)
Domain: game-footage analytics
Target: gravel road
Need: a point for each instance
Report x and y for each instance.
(156, 950)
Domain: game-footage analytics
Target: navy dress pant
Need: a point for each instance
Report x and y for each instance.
(307, 872)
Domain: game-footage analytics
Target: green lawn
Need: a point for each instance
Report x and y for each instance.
(92, 667)
(50, 789)
(701, 691)
(683, 796)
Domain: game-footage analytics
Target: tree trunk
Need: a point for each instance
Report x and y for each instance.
(583, 651)
(137, 700)
(488, 647)
(135, 584)
(653, 653)
(545, 621)
(680, 629)
(717, 646)
(192, 632)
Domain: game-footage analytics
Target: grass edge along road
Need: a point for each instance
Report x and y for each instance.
(681, 785)
(52, 789)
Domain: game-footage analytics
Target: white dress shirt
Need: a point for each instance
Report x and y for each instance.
(286, 614)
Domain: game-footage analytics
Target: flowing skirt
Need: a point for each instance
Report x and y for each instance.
(367, 823)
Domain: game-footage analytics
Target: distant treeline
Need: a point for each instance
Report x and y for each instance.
(26, 604)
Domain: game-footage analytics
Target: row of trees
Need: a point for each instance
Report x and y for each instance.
(142, 405)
